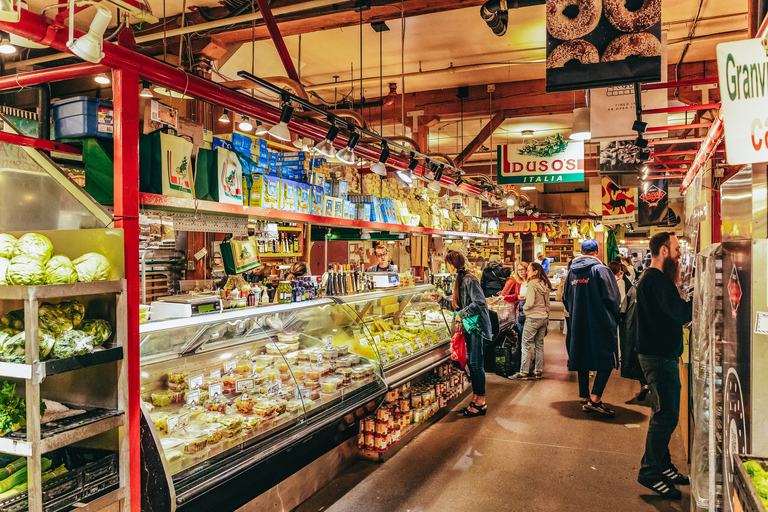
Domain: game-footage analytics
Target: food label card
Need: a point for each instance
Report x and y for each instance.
(244, 385)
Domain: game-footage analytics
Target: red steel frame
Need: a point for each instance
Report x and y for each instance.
(32, 142)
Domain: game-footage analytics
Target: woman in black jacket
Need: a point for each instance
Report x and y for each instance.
(468, 301)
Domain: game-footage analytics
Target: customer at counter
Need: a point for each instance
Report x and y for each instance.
(383, 264)
(494, 276)
(515, 289)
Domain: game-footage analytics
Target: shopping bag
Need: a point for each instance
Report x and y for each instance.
(229, 177)
(240, 255)
(459, 349)
(206, 177)
(165, 165)
(507, 354)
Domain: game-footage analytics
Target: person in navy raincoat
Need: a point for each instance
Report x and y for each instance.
(591, 297)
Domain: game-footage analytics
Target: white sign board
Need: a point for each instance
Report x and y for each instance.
(743, 70)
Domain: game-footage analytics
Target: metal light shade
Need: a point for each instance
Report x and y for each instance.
(224, 116)
(146, 92)
(280, 130)
(325, 148)
(102, 79)
(379, 168)
(347, 154)
(89, 46)
(261, 130)
(245, 125)
(581, 126)
(405, 177)
(10, 10)
(435, 185)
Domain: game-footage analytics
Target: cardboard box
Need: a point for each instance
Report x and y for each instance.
(254, 196)
(317, 207)
(328, 209)
(303, 197)
(270, 197)
(349, 210)
(288, 196)
(363, 212)
(339, 189)
(338, 208)
(327, 188)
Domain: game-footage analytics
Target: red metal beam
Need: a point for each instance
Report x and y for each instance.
(70, 72)
(679, 83)
(675, 177)
(677, 127)
(659, 142)
(32, 142)
(685, 108)
(277, 38)
(683, 152)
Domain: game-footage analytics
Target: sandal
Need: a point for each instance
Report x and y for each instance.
(479, 411)
(584, 402)
(471, 404)
(597, 407)
(537, 375)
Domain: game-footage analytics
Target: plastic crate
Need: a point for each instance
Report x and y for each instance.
(83, 116)
(743, 489)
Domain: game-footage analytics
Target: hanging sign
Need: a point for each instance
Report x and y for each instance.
(743, 70)
(553, 160)
(653, 209)
(618, 203)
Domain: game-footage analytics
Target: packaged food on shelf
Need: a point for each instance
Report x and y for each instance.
(194, 441)
(162, 398)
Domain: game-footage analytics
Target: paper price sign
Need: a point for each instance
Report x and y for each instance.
(244, 385)
(383, 357)
(214, 390)
(319, 359)
(230, 366)
(409, 348)
(364, 342)
(193, 397)
(377, 339)
(419, 342)
(216, 374)
(329, 342)
(274, 388)
(196, 381)
(184, 419)
(173, 422)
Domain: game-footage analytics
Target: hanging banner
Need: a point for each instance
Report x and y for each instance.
(743, 69)
(604, 44)
(653, 209)
(618, 203)
(553, 160)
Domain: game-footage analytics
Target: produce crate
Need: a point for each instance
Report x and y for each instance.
(744, 493)
(91, 473)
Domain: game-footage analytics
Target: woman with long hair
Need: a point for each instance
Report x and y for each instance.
(468, 301)
(536, 310)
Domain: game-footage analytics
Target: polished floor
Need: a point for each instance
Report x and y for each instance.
(535, 451)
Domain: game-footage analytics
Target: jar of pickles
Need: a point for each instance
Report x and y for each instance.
(284, 295)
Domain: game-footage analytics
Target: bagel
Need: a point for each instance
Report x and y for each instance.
(632, 21)
(578, 49)
(562, 27)
(641, 45)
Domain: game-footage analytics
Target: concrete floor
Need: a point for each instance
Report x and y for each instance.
(534, 451)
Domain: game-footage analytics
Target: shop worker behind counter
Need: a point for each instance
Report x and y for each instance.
(661, 316)
(383, 265)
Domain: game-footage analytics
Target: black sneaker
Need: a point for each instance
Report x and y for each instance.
(672, 475)
(662, 487)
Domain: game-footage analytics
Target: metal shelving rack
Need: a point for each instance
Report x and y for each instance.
(33, 372)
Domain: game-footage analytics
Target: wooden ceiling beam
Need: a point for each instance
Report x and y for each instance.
(481, 137)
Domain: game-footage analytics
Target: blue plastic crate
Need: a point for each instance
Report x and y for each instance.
(83, 116)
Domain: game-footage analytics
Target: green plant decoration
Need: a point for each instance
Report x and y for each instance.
(544, 149)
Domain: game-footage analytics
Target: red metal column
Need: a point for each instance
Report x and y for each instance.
(126, 103)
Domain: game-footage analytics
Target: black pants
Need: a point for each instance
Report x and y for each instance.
(568, 335)
(601, 379)
(663, 376)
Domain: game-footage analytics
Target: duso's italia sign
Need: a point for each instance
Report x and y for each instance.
(743, 70)
(516, 165)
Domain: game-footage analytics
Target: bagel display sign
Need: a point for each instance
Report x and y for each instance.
(518, 164)
(590, 42)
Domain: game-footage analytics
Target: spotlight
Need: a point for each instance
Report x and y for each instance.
(581, 124)
(439, 173)
(10, 10)
(413, 163)
(639, 126)
(434, 185)
(458, 181)
(303, 143)
(325, 148)
(147, 93)
(261, 130)
(528, 187)
(365, 235)
(6, 47)
(510, 202)
(347, 154)
(405, 176)
(280, 130)
(380, 167)
(224, 116)
(102, 79)
(641, 142)
(245, 124)
(644, 156)
(89, 46)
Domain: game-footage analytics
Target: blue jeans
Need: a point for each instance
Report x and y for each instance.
(663, 376)
(476, 362)
(533, 334)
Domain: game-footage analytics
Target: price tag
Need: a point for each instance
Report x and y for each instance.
(319, 359)
(244, 384)
(383, 357)
(409, 348)
(364, 342)
(329, 342)
(376, 339)
(274, 388)
(193, 397)
(396, 351)
(384, 335)
(196, 381)
(216, 374)
(173, 422)
(419, 342)
(230, 366)
(214, 390)
(184, 419)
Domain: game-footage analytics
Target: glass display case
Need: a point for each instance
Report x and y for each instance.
(222, 386)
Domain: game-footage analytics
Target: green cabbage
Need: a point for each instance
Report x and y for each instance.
(13, 320)
(73, 343)
(47, 341)
(74, 311)
(53, 319)
(24, 270)
(34, 246)
(58, 270)
(7, 242)
(4, 264)
(99, 329)
(13, 349)
(92, 267)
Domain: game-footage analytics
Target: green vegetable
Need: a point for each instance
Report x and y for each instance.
(47, 342)
(13, 349)
(753, 468)
(4, 264)
(99, 329)
(34, 246)
(53, 319)
(74, 311)
(13, 467)
(59, 270)
(26, 271)
(73, 343)
(7, 242)
(17, 482)
(92, 267)
(13, 319)
(13, 411)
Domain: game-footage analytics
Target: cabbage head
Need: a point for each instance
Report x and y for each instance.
(73, 343)
(99, 329)
(24, 270)
(58, 270)
(34, 246)
(47, 341)
(7, 242)
(51, 318)
(74, 311)
(4, 264)
(92, 267)
(13, 349)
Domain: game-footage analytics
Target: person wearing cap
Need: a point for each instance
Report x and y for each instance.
(544, 262)
(591, 298)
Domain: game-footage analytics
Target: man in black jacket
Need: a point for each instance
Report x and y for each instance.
(494, 276)
(662, 312)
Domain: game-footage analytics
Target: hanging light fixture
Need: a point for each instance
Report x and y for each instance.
(510, 201)
(102, 79)
(261, 130)
(304, 143)
(405, 176)
(347, 154)
(245, 124)
(581, 126)
(439, 173)
(280, 130)
(89, 46)
(325, 148)
(146, 92)
(6, 48)
(380, 167)
(10, 10)
(224, 116)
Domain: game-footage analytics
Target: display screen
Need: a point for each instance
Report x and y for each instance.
(205, 308)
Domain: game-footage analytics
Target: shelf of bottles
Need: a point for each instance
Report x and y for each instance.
(346, 280)
(276, 241)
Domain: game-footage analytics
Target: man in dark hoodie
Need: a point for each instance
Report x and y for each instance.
(494, 276)
(591, 297)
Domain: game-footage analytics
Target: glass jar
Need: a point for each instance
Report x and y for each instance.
(284, 292)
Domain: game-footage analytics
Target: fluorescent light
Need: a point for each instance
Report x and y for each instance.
(6, 47)
(581, 126)
(145, 91)
(224, 116)
(280, 130)
(89, 46)
(245, 124)
(102, 79)
(528, 187)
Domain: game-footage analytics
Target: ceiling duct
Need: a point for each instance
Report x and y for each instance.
(494, 13)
